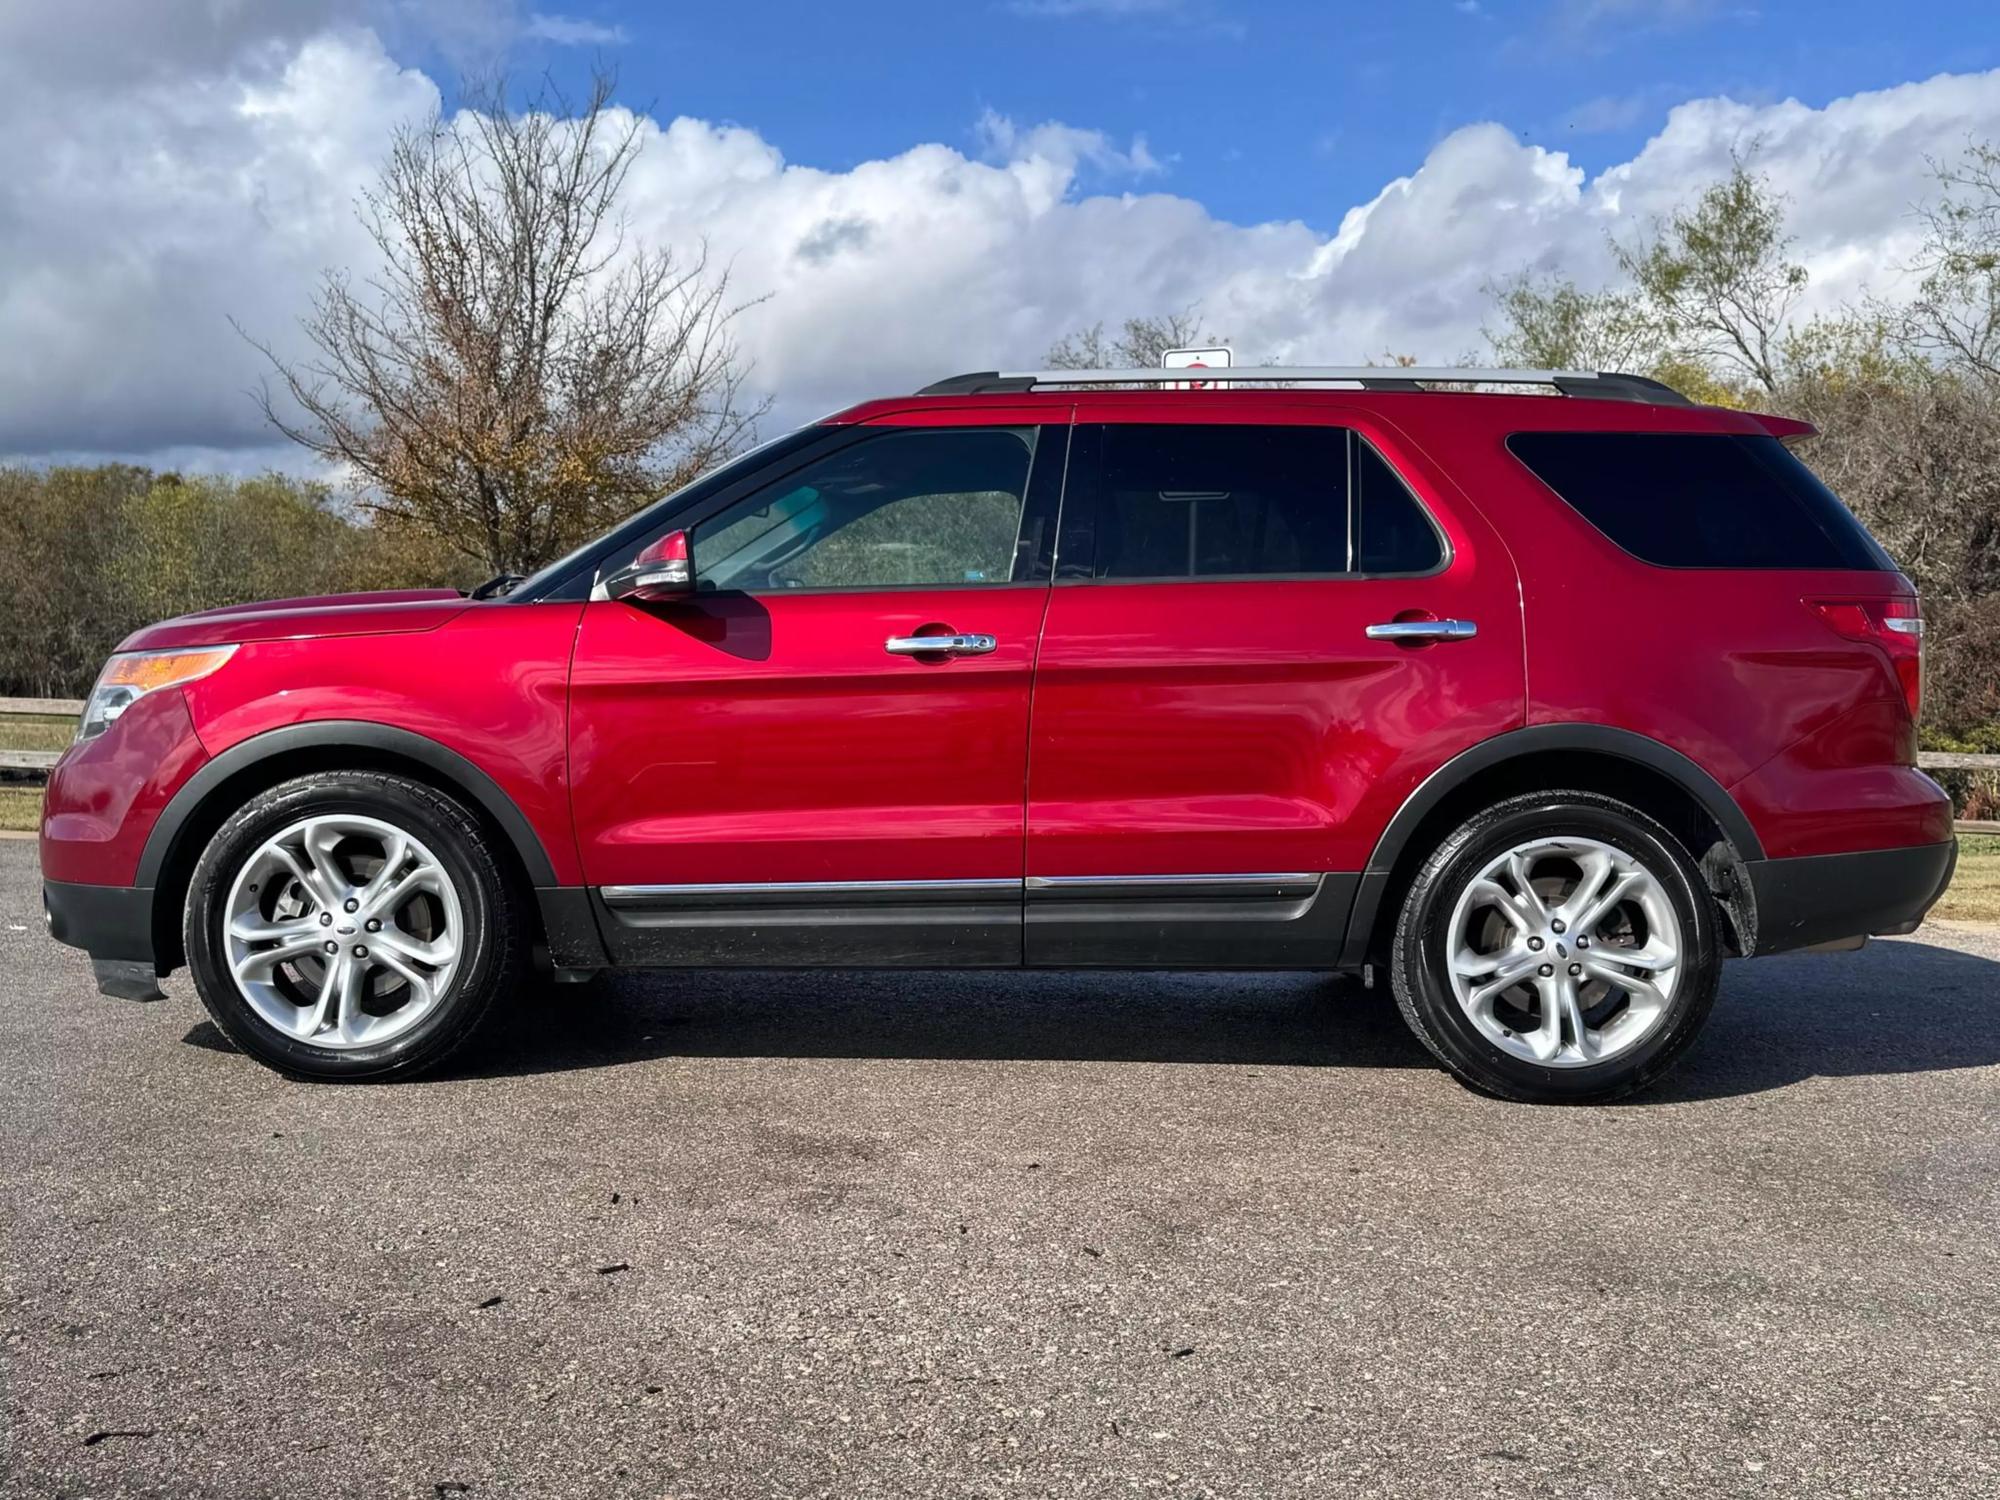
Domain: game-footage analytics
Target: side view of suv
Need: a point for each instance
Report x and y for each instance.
(1541, 692)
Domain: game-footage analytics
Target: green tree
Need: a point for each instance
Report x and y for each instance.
(89, 555)
(1714, 277)
(1548, 323)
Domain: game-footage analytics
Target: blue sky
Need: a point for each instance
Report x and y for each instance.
(899, 191)
(1260, 109)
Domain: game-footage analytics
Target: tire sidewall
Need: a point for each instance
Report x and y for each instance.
(442, 827)
(1424, 941)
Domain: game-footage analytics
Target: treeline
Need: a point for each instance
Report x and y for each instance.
(88, 555)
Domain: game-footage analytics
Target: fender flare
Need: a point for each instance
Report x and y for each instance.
(1597, 739)
(454, 768)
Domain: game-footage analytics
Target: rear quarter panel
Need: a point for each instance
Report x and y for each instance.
(1731, 667)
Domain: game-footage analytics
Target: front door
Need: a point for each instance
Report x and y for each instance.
(1221, 728)
(780, 768)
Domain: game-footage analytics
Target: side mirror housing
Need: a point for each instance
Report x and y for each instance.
(664, 570)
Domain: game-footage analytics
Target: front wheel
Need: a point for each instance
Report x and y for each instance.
(351, 925)
(1559, 947)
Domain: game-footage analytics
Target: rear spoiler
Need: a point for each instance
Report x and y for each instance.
(1784, 429)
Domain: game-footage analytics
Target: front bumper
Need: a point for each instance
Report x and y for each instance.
(114, 925)
(1823, 898)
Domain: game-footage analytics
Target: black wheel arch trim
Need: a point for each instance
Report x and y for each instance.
(1535, 739)
(321, 734)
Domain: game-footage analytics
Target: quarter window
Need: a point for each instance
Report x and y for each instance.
(1701, 500)
(1391, 532)
(906, 508)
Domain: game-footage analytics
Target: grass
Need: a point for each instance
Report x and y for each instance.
(21, 803)
(1975, 890)
(20, 808)
(35, 732)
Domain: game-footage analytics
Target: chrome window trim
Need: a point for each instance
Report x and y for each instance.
(1087, 882)
(615, 895)
(628, 895)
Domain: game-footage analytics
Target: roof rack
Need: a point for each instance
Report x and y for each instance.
(1600, 385)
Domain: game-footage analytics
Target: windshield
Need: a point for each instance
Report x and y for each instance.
(541, 581)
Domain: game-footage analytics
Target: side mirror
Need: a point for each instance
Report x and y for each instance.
(663, 571)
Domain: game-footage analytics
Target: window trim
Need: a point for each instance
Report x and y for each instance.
(1077, 526)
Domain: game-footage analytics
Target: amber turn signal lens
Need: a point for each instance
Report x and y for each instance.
(146, 670)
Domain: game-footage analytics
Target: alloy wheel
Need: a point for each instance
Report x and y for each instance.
(1565, 952)
(343, 931)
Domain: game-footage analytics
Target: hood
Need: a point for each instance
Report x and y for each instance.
(392, 612)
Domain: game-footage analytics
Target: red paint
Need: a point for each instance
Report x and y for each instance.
(1117, 729)
(104, 796)
(726, 738)
(1253, 727)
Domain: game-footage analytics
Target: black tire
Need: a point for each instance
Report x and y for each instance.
(1422, 981)
(493, 946)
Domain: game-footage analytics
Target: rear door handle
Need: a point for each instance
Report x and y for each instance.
(1423, 630)
(940, 645)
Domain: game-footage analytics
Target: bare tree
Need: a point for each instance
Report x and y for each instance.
(1137, 347)
(516, 375)
(1956, 315)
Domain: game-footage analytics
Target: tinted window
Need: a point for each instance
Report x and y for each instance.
(1693, 500)
(908, 507)
(1224, 501)
(1391, 532)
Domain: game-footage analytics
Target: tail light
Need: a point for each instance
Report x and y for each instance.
(1896, 625)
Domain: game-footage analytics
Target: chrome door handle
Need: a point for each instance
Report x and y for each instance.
(1424, 630)
(939, 645)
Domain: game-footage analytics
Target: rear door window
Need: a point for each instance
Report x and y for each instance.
(1701, 500)
(1210, 501)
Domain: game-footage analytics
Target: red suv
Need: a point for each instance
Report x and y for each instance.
(1544, 703)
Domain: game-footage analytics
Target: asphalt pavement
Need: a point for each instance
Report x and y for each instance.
(776, 1235)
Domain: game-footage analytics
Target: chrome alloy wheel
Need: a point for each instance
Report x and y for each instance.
(343, 931)
(1564, 952)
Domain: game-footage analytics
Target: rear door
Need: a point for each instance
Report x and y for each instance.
(779, 769)
(1222, 724)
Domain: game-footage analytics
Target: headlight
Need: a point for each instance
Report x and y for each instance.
(128, 677)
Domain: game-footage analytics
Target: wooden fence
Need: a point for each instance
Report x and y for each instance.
(32, 760)
(41, 760)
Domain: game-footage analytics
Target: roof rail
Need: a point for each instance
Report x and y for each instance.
(1601, 385)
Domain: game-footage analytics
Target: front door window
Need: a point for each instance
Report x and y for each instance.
(906, 509)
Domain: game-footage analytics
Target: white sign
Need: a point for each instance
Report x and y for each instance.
(1194, 359)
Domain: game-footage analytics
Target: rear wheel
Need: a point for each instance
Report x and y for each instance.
(1559, 947)
(351, 926)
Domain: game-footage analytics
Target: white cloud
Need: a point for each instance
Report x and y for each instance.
(1065, 146)
(573, 31)
(133, 228)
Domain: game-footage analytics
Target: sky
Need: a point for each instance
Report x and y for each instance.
(902, 191)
